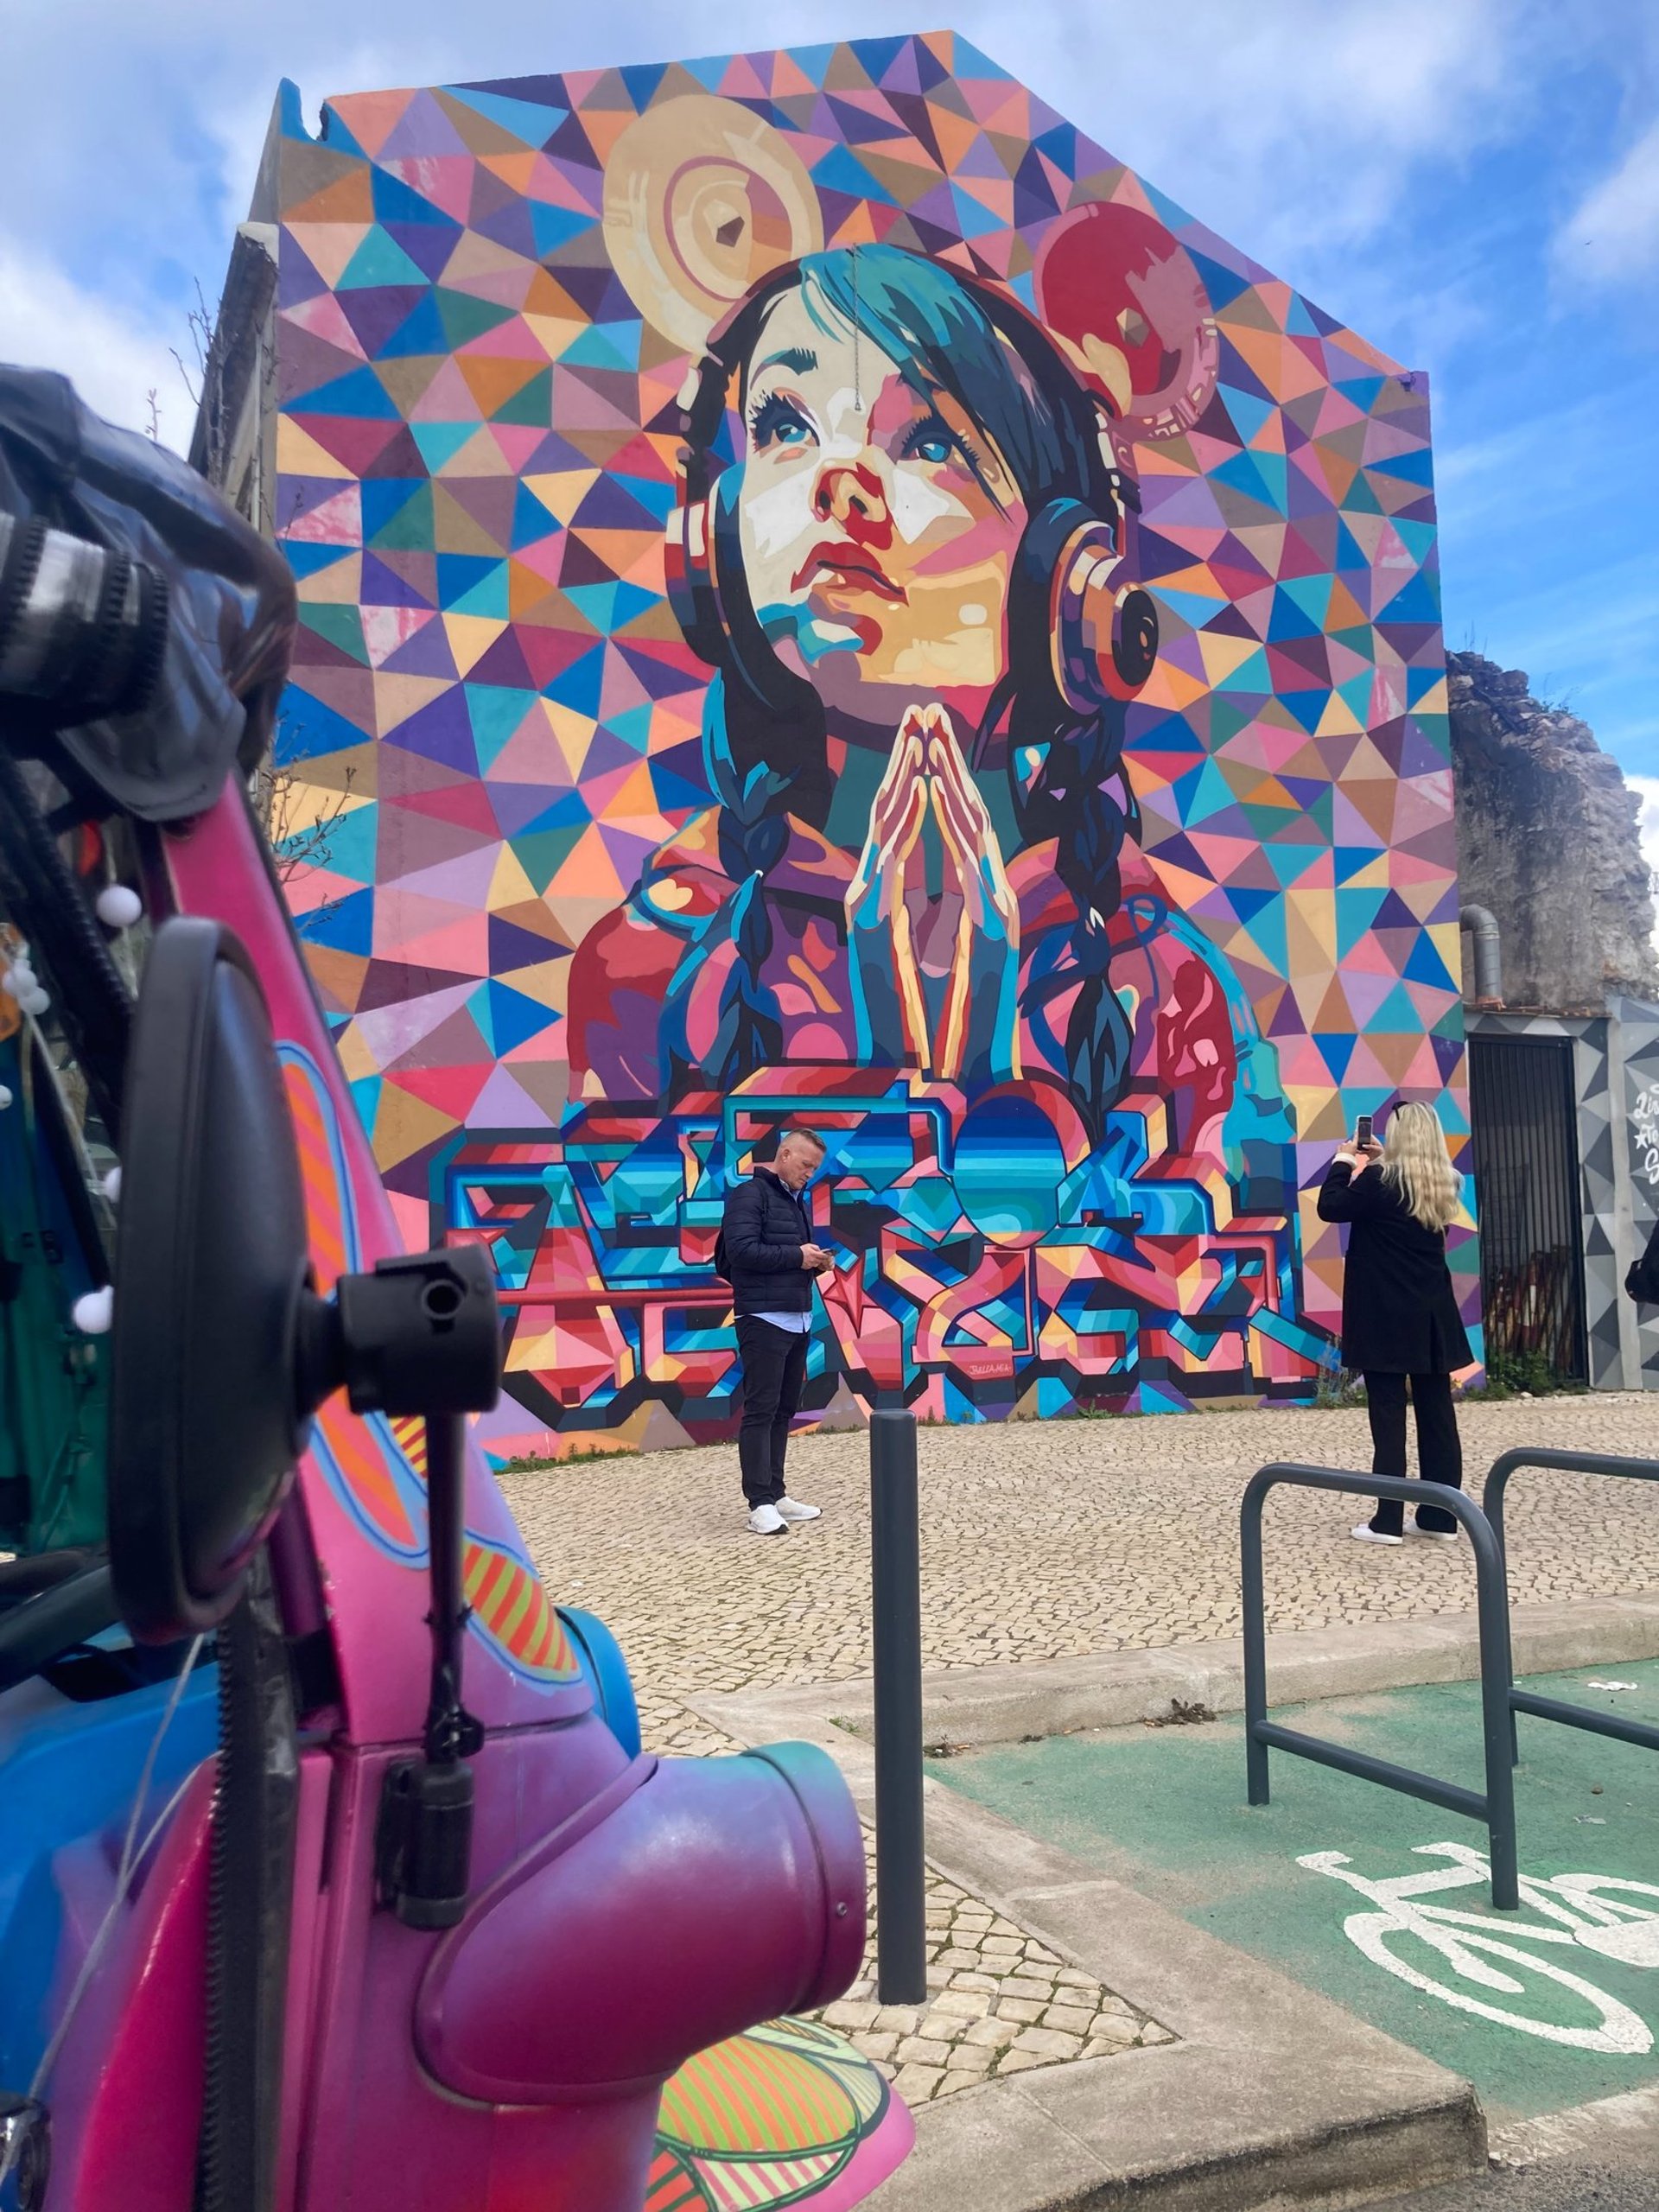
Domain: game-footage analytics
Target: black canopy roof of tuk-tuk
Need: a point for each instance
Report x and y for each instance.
(231, 602)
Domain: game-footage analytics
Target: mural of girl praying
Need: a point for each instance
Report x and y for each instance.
(905, 548)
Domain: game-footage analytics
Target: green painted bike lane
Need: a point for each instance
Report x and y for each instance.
(1394, 1917)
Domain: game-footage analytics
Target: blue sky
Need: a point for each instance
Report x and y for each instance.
(1472, 184)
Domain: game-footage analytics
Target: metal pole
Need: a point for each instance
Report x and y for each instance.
(896, 1591)
(1491, 1504)
(446, 1463)
(1255, 1655)
(1493, 1599)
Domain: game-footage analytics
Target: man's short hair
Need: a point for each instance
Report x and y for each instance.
(806, 1136)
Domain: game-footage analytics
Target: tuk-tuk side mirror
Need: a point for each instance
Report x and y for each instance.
(223, 1350)
(206, 1421)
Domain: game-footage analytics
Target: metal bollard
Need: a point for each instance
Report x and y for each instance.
(896, 1590)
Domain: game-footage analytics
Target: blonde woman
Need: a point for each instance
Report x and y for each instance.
(1400, 1321)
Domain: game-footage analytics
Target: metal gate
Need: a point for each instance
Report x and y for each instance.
(1524, 1118)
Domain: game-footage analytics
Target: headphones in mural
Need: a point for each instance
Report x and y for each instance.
(708, 214)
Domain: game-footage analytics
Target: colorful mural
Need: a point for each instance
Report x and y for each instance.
(826, 597)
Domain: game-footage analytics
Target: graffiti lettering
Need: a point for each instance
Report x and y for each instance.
(1644, 1128)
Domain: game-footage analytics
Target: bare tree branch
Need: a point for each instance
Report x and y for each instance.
(298, 852)
(196, 396)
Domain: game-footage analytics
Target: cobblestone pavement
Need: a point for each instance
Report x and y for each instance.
(1043, 1541)
(1046, 1540)
(998, 2002)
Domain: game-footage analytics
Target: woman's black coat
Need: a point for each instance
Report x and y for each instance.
(1398, 1312)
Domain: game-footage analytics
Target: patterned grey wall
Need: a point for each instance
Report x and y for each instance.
(1616, 1073)
(1636, 1028)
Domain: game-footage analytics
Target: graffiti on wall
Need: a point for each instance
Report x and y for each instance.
(1644, 1133)
(826, 597)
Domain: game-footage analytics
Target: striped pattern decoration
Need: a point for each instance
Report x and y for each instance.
(767, 2121)
(331, 1227)
(751, 2096)
(766, 2184)
(371, 1479)
(671, 2186)
(377, 1467)
(366, 1469)
(511, 1612)
(865, 2084)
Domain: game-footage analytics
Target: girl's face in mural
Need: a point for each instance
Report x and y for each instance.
(879, 526)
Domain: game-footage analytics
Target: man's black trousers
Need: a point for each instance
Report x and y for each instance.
(774, 1368)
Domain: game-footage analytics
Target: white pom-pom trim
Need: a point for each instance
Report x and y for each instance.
(118, 907)
(93, 1313)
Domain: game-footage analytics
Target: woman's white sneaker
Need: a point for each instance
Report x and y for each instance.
(793, 1509)
(767, 1521)
(1440, 1535)
(1366, 1535)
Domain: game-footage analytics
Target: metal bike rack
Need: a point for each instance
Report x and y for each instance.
(1495, 1808)
(1554, 1708)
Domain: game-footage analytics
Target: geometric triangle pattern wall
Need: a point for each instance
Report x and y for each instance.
(585, 939)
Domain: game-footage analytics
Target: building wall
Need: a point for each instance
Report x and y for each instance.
(1634, 1124)
(1080, 988)
(1616, 1077)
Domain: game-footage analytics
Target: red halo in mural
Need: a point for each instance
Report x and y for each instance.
(1127, 301)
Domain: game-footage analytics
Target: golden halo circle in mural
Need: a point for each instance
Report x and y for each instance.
(701, 200)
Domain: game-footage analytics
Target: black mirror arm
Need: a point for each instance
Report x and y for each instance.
(420, 1336)
(452, 1734)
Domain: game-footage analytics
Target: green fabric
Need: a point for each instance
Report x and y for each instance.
(53, 1380)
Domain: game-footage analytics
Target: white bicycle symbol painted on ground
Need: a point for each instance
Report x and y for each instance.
(1576, 1912)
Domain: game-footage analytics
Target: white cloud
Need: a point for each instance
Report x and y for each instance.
(1286, 118)
(1292, 127)
(115, 358)
(1296, 128)
(1614, 235)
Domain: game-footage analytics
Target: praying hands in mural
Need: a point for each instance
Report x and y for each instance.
(934, 973)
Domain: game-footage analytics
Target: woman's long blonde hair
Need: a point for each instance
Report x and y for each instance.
(1415, 1160)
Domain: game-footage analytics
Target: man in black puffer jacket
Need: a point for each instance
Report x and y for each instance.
(767, 1254)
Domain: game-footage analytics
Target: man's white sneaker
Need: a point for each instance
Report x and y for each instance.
(1439, 1535)
(767, 1521)
(793, 1509)
(1366, 1535)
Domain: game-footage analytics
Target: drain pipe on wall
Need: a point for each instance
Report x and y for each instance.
(1482, 925)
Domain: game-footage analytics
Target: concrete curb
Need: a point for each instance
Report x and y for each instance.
(1272, 2094)
(1626, 2125)
(976, 1706)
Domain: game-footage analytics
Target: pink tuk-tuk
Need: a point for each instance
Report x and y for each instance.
(333, 1875)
